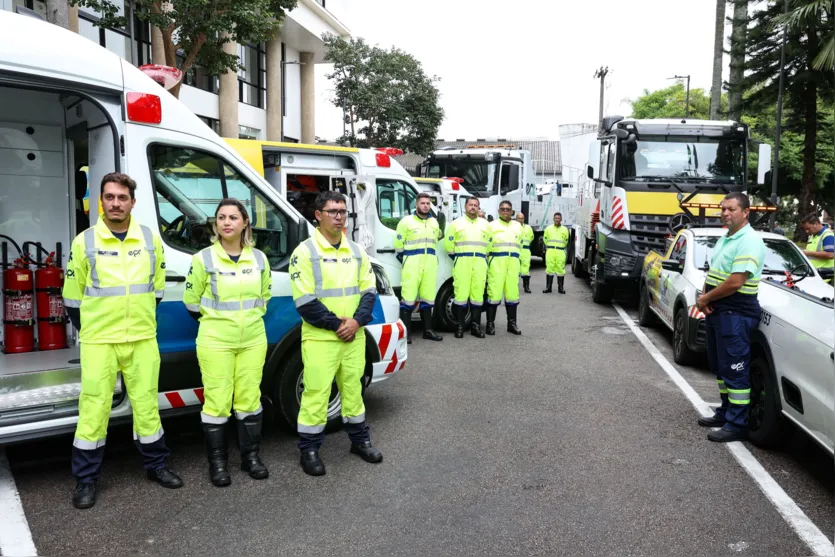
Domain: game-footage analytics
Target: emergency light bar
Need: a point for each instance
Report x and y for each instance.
(390, 151)
(456, 182)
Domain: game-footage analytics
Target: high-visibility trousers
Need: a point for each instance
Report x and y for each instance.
(525, 263)
(324, 361)
(555, 262)
(729, 355)
(139, 363)
(417, 279)
(469, 277)
(503, 280)
(231, 376)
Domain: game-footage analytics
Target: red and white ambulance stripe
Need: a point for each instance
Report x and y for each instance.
(694, 313)
(388, 349)
(180, 399)
(617, 214)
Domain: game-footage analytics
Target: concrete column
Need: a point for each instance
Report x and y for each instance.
(275, 118)
(308, 87)
(228, 97)
(157, 47)
(57, 12)
(72, 19)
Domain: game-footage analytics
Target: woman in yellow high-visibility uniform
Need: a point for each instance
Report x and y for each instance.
(227, 290)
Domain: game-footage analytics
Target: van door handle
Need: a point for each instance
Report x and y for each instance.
(386, 250)
(174, 277)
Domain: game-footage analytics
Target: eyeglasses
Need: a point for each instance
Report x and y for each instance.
(505, 209)
(333, 213)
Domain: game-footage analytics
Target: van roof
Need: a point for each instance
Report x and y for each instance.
(29, 46)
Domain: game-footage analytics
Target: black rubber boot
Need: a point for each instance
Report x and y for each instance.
(526, 284)
(217, 449)
(249, 443)
(511, 320)
(460, 314)
(549, 283)
(312, 464)
(426, 318)
(560, 284)
(491, 320)
(84, 495)
(406, 317)
(475, 328)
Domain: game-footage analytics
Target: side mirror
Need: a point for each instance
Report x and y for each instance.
(302, 231)
(590, 172)
(764, 162)
(620, 134)
(672, 265)
(826, 274)
(418, 167)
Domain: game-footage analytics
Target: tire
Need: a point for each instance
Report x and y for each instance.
(766, 426)
(645, 316)
(287, 397)
(577, 268)
(682, 354)
(444, 320)
(600, 293)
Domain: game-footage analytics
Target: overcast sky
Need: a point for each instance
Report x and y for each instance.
(520, 68)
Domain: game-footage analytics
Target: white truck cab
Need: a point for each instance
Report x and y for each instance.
(66, 105)
(449, 197)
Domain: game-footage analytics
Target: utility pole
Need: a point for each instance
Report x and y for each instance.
(601, 74)
(687, 102)
(779, 126)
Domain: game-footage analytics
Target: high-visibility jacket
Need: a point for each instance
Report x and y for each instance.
(556, 238)
(527, 236)
(115, 284)
(467, 237)
(816, 244)
(505, 238)
(336, 277)
(231, 297)
(417, 236)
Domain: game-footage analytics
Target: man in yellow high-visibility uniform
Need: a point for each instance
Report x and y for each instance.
(556, 244)
(821, 247)
(415, 243)
(334, 289)
(503, 268)
(525, 257)
(467, 242)
(115, 279)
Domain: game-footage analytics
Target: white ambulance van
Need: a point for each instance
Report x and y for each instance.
(68, 105)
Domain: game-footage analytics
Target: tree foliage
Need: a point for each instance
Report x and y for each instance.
(801, 13)
(387, 97)
(194, 31)
(672, 102)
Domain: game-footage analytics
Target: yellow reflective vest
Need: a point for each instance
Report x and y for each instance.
(556, 237)
(231, 297)
(417, 236)
(527, 236)
(115, 284)
(816, 244)
(505, 238)
(466, 237)
(336, 277)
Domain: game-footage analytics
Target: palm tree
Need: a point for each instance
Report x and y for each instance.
(718, 51)
(801, 13)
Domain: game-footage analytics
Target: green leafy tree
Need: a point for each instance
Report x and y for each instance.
(801, 13)
(387, 97)
(194, 31)
(671, 103)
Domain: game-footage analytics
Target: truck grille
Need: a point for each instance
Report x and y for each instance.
(649, 231)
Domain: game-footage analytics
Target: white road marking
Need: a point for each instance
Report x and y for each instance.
(811, 535)
(15, 537)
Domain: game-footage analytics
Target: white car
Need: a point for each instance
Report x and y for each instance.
(792, 349)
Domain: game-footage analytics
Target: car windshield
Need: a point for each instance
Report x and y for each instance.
(708, 161)
(478, 175)
(780, 255)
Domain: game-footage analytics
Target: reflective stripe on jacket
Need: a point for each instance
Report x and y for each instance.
(415, 236)
(556, 237)
(466, 237)
(505, 238)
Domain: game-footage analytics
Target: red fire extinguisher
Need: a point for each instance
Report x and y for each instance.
(18, 306)
(49, 283)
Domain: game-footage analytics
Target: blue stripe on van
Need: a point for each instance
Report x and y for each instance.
(378, 316)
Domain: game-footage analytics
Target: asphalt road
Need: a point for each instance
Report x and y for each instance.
(569, 439)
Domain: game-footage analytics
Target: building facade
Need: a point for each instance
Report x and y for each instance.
(272, 97)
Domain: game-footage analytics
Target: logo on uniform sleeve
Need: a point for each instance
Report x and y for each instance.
(295, 276)
(451, 238)
(400, 236)
(70, 273)
(162, 265)
(738, 366)
(294, 261)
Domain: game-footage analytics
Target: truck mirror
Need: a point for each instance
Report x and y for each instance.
(764, 162)
(590, 172)
(620, 134)
(672, 265)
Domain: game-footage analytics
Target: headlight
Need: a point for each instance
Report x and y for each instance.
(615, 261)
(383, 283)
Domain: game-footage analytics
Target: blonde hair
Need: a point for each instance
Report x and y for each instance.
(246, 235)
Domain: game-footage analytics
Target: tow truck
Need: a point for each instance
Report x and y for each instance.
(792, 349)
(638, 173)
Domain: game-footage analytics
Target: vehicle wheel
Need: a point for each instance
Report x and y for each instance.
(766, 426)
(681, 350)
(645, 315)
(577, 268)
(600, 293)
(287, 396)
(444, 319)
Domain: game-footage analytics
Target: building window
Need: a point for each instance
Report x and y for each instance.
(286, 139)
(212, 123)
(245, 132)
(198, 78)
(37, 6)
(252, 88)
(117, 41)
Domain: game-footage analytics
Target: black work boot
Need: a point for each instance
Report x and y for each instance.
(560, 284)
(406, 317)
(84, 495)
(511, 320)
(726, 436)
(711, 421)
(460, 314)
(475, 328)
(549, 283)
(491, 319)
(426, 318)
(526, 284)
(367, 452)
(312, 464)
(217, 450)
(249, 443)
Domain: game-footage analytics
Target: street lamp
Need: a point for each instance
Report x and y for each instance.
(687, 107)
